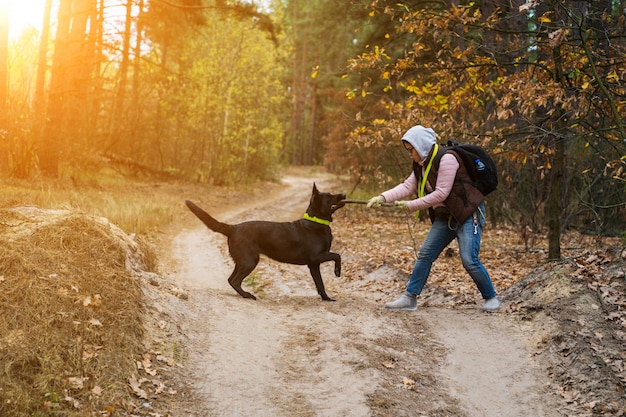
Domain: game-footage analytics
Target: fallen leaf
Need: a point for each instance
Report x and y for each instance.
(77, 382)
(136, 387)
(160, 387)
(167, 360)
(95, 322)
(90, 351)
(389, 364)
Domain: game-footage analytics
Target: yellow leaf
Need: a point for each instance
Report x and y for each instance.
(315, 71)
(585, 85)
(544, 19)
(363, 93)
(412, 89)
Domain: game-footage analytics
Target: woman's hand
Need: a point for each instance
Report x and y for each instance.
(402, 204)
(376, 201)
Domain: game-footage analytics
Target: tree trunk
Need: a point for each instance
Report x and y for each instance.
(42, 62)
(52, 140)
(119, 115)
(4, 60)
(296, 111)
(92, 59)
(557, 170)
(554, 200)
(135, 121)
(77, 119)
(4, 66)
(310, 151)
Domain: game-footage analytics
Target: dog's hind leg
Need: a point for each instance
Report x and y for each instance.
(243, 268)
(319, 284)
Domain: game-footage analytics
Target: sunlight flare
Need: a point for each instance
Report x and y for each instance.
(22, 14)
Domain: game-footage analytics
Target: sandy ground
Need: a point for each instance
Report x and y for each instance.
(291, 354)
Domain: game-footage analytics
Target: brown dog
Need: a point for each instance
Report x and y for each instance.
(301, 242)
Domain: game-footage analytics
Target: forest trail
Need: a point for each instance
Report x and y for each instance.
(291, 354)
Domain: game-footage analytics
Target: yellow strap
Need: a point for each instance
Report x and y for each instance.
(316, 219)
(422, 186)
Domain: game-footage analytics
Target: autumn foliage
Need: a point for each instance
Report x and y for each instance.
(536, 83)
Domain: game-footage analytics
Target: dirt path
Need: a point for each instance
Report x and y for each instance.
(291, 354)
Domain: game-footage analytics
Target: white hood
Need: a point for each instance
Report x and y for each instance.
(421, 139)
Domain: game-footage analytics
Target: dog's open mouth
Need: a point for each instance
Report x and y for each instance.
(338, 205)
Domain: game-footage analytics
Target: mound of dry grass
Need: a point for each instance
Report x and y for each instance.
(71, 313)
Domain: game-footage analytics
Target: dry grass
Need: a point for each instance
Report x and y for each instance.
(136, 207)
(72, 313)
(72, 309)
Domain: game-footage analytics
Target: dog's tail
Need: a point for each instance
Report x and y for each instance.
(213, 224)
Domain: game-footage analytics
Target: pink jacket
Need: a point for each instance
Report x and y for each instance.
(445, 180)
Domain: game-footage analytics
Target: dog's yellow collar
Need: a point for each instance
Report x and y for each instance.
(316, 219)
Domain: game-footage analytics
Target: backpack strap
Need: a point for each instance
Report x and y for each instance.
(443, 149)
(417, 170)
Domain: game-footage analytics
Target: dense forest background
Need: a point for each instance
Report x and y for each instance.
(222, 91)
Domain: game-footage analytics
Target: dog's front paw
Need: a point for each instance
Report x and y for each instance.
(248, 295)
(327, 298)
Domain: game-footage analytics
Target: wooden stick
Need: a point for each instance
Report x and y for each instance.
(365, 202)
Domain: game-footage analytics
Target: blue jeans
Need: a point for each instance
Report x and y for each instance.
(468, 238)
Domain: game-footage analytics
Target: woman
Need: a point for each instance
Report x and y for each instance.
(456, 210)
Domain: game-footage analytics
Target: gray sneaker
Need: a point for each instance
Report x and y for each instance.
(405, 302)
(492, 304)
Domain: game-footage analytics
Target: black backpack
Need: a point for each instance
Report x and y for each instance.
(480, 167)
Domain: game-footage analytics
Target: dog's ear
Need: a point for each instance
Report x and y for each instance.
(315, 189)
